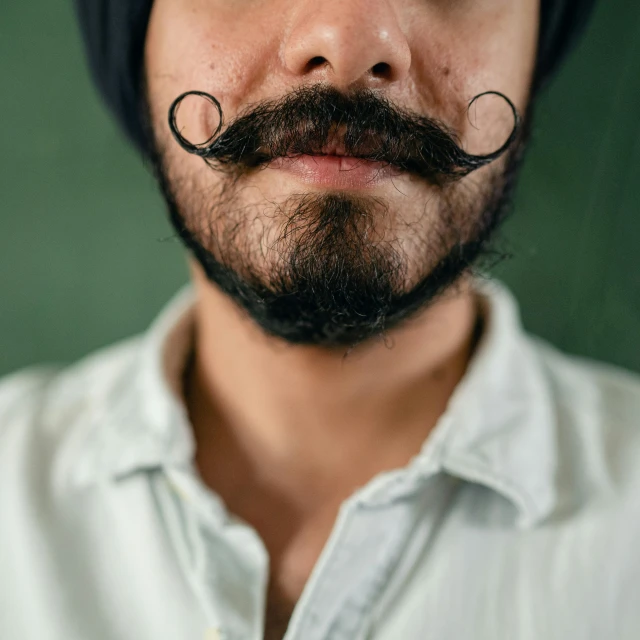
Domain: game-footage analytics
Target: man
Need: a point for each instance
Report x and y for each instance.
(340, 431)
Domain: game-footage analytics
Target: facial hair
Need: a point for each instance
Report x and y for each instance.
(335, 274)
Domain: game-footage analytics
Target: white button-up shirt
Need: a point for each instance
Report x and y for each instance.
(518, 520)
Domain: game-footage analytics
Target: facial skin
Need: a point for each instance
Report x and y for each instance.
(362, 245)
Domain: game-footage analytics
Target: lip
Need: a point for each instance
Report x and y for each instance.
(335, 171)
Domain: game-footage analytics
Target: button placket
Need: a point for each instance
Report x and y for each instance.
(352, 572)
(228, 567)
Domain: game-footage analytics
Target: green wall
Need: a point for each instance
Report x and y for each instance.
(86, 256)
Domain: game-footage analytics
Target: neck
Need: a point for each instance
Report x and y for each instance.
(311, 423)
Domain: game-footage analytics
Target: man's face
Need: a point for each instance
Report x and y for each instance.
(318, 248)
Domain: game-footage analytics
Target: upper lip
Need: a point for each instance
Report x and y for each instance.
(366, 147)
(335, 146)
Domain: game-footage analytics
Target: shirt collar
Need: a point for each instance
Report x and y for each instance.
(498, 429)
(139, 419)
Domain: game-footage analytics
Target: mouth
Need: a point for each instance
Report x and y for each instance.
(331, 167)
(335, 171)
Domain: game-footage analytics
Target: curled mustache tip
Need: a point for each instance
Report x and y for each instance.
(202, 149)
(517, 121)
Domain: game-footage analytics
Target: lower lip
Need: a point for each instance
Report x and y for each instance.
(339, 172)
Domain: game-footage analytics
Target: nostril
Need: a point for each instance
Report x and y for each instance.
(315, 62)
(381, 70)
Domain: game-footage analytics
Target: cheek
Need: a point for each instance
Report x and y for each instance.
(226, 57)
(487, 45)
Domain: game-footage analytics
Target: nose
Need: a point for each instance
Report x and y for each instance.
(347, 43)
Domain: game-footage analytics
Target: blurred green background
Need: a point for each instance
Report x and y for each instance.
(87, 258)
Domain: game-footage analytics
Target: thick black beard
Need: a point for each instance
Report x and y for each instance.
(335, 286)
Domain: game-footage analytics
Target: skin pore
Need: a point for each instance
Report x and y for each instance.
(287, 432)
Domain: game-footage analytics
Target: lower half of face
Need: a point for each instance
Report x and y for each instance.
(327, 248)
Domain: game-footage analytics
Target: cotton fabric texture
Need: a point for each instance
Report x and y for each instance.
(518, 520)
(114, 33)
